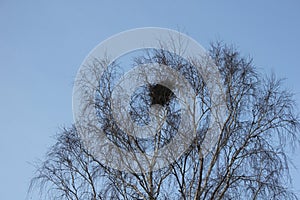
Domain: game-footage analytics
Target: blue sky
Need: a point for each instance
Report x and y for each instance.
(43, 43)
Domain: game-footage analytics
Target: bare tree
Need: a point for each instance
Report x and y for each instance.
(248, 161)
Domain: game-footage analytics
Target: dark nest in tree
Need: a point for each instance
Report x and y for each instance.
(160, 94)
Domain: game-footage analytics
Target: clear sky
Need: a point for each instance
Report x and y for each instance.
(43, 43)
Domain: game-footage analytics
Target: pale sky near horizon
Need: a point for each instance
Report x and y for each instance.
(43, 43)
